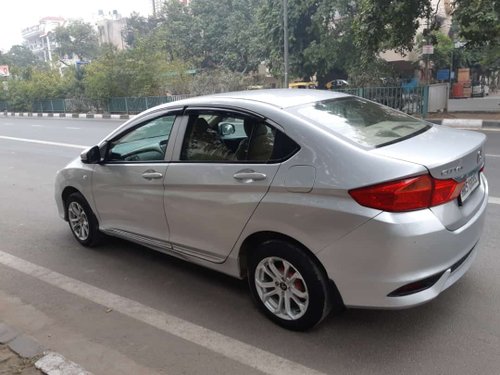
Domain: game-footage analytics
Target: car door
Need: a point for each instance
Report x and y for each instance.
(128, 185)
(216, 180)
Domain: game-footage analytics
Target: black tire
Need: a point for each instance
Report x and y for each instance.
(90, 237)
(313, 282)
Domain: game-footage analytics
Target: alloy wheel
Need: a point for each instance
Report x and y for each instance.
(78, 221)
(281, 288)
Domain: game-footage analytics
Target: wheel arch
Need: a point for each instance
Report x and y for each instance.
(257, 238)
(68, 190)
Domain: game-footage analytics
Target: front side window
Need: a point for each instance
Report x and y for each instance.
(364, 122)
(220, 137)
(148, 142)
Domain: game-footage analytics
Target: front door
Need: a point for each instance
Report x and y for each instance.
(128, 187)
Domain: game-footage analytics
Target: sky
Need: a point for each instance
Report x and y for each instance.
(17, 15)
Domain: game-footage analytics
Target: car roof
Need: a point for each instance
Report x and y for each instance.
(281, 98)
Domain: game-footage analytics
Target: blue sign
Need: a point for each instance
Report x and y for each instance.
(443, 75)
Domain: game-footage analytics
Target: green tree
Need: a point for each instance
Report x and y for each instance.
(213, 34)
(22, 57)
(138, 27)
(381, 25)
(443, 49)
(335, 36)
(77, 38)
(478, 21)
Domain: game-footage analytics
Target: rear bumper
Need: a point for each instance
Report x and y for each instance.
(393, 250)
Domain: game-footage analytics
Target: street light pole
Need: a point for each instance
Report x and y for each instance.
(285, 36)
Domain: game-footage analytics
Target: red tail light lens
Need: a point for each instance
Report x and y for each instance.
(408, 194)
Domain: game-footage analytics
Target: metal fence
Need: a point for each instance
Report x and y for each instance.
(125, 105)
(412, 100)
(139, 104)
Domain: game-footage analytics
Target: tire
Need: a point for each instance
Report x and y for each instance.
(82, 221)
(298, 291)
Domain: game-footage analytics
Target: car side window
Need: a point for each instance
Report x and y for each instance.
(148, 142)
(221, 137)
(204, 138)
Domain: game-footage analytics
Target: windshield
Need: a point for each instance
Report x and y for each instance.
(364, 122)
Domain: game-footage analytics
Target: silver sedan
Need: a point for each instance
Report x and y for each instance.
(321, 200)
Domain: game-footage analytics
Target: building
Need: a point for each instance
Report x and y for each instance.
(39, 38)
(110, 27)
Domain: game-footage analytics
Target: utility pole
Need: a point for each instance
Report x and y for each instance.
(427, 43)
(285, 36)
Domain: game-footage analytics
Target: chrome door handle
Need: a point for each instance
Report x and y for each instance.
(249, 176)
(152, 175)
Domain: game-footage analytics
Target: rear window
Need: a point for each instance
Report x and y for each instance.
(364, 122)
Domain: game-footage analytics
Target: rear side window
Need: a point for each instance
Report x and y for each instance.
(214, 136)
(364, 122)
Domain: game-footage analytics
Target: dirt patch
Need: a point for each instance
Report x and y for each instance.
(13, 364)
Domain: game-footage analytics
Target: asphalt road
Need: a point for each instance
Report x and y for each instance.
(124, 309)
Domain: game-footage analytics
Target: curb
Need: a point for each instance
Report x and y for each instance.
(47, 362)
(68, 115)
(466, 123)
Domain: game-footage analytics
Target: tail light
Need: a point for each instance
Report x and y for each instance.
(408, 194)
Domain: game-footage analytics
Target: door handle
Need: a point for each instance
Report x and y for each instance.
(249, 176)
(152, 175)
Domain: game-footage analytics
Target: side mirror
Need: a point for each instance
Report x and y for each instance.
(226, 128)
(91, 155)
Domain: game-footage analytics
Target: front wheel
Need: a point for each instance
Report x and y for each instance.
(288, 286)
(82, 221)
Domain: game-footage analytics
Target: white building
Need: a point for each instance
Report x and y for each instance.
(110, 27)
(39, 38)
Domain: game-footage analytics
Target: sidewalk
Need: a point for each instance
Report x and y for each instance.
(480, 120)
(21, 354)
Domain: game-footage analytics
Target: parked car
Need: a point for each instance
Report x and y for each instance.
(320, 199)
(337, 84)
(302, 85)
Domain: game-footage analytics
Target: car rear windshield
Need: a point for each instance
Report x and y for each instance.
(364, 122)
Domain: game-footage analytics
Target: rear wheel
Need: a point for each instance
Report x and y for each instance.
(82, 221)
(288, 286)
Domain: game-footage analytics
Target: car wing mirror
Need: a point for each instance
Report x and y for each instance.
(226, 128)
(91, 155)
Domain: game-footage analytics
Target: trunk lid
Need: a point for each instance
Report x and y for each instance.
(448, 154)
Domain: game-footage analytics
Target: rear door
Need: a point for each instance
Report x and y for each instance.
(224, 163)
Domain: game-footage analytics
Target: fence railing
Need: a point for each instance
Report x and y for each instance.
(125, 105)
(412, 100)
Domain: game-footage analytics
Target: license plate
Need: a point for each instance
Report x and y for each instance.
(471, 184)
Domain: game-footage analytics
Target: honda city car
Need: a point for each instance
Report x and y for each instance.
(321, 200)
